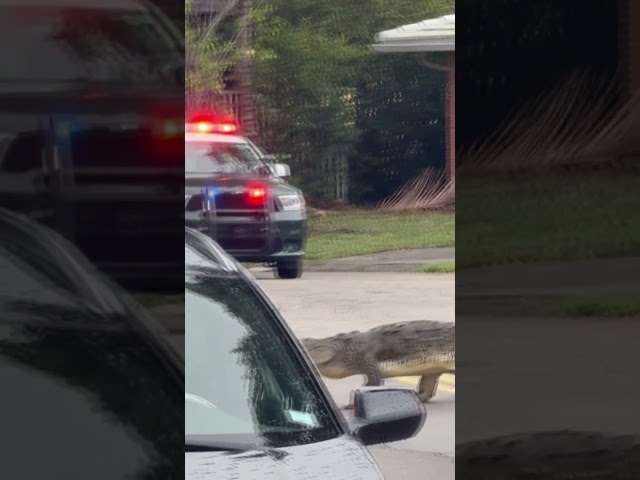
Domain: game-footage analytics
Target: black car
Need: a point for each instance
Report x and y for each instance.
(91, 384)
(237, 195)
(255, 405)
(92, 142)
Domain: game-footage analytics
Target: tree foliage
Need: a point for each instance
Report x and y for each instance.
(325, 99)
(208, 54)
(323, 93)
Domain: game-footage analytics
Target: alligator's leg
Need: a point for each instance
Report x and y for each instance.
(374, 379)
(427, 387)
(373, 375)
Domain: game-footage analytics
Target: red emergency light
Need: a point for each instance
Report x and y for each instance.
(257, 192)
(208, 124)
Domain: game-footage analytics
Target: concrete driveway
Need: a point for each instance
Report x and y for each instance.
(324, 303)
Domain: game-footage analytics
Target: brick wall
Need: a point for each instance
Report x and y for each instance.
(451, 118)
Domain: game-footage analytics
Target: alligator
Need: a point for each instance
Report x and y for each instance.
(416, 348)
(553, 455)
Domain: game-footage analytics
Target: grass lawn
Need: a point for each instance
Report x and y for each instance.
(603, 307)
(352, 232)
(561, 216)
(444, 267)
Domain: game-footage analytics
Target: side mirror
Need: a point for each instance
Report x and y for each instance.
(282, 170)
(383, 414)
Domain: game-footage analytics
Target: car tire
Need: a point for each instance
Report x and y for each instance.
(289, 269)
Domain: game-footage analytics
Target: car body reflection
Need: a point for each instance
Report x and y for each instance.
(90, 385)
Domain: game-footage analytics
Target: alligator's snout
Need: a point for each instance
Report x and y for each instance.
(322, 354)
(307, 343)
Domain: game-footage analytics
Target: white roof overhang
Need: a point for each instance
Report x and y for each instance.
(434, 35)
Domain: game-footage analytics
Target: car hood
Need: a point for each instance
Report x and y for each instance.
(340, 458)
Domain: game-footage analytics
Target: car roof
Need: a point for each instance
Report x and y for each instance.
(200, 251)
(213, 138)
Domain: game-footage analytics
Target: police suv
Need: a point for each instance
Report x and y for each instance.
(92, 146)
(236, 194)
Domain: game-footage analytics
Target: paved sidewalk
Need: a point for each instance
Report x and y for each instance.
(571, 375)
(406, 261)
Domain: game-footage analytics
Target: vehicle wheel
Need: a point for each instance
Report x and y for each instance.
(288, 269)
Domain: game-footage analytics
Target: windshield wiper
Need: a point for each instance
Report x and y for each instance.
(233, 447)
(218, 447)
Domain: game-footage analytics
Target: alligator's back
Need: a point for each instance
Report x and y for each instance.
(414, 348)
(393, 350)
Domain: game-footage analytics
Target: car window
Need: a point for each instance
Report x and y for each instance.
(210, 157)
(243, 378)
(75, 44)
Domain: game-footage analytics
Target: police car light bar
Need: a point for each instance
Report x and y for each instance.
(207, 125)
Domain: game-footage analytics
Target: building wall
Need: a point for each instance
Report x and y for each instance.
(451, 118)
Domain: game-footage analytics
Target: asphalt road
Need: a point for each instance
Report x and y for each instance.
(570, 373)
(324, 303)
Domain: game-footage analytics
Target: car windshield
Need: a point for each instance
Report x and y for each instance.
(83, 45)
(202, 158)
(244, 381)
